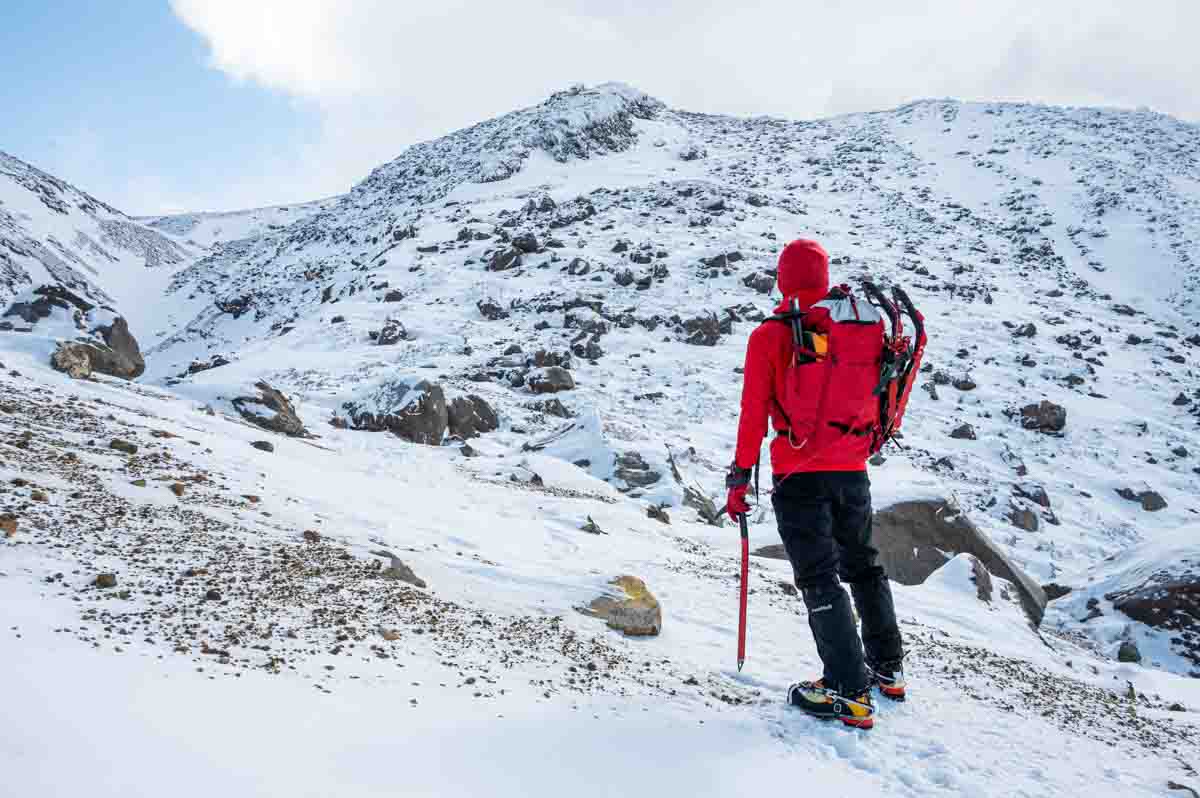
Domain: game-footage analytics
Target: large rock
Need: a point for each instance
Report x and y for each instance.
(634, 471)
(631, 609)
(1044, 417)
(551, 379)
(47, 298)
(123, 356)
(415, 413)
(916, 538)
(73, 359)
(505, 259)
(270, 410)
(469, 416)
(117, 355)
(705, 330)
(1168, 600)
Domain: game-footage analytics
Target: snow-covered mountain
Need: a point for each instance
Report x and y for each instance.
(577, 280)
(53, 233)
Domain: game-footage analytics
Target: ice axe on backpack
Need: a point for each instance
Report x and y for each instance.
(900, 361)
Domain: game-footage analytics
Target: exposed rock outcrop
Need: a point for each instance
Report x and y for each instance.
(915, 537)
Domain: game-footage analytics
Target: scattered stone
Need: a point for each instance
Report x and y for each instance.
(634, 471)
(8, 524)
(105, 581)
(416, 413)
(704, 330)
(527, 243)
(393, 332)
(72, 359)
(1054, 591)
(1181, 400)
(760, 282)
(1151, 501)
(1023, 518)
(963, 432)
(1045, 417)
(263, 446)
(592, 528)
(965, 383)
(123, 446)
(1033, 492)
(212, 595)
(504, 260)
(397, 570)
(491, 310)
(632, 610)
(178, 489)
(1128, 652)
(551, 379)
(1027, 330)
(470, 416)
(659, 513)
(982, 580)
(270, 410)
(709, 512)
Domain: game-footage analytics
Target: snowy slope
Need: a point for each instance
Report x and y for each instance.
(257, 659)
(995, 216)
(51, 232)
(634, 221)
(205, 230)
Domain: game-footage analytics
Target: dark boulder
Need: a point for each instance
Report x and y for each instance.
(551, 379)
(393, 332)
(527, 243)
(505, 259)
(73, 359)
(470, 416)
(634, 471)
(916, 538)
(416, 413)
(963, 432)
(491, 310)
(760, 282)
(122, 357)
(1151, 501)
(270, 410)
(1044, 417)
(705, 330)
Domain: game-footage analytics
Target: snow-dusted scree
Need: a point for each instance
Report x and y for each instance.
(400, 445)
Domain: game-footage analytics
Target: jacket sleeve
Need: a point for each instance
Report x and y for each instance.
(757, 385)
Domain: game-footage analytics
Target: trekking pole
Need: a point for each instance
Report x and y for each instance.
(741, 654)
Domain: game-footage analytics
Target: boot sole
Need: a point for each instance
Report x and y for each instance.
(894, 695)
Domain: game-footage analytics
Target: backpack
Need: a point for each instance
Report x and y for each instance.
(847, 384)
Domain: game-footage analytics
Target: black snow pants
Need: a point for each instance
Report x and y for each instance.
(825, 522)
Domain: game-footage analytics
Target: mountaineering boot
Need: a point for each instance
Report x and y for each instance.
(889, 677)
(817, 700)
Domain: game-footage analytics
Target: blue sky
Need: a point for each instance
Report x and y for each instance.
(224, 104)
(116, 97)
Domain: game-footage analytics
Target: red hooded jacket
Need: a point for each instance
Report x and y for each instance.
(803, 275)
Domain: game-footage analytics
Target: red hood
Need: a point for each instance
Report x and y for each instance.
(803, 272)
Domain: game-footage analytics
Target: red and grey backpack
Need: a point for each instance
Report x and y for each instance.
(847, 385)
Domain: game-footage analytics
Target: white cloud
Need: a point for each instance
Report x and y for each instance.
(387, 73)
